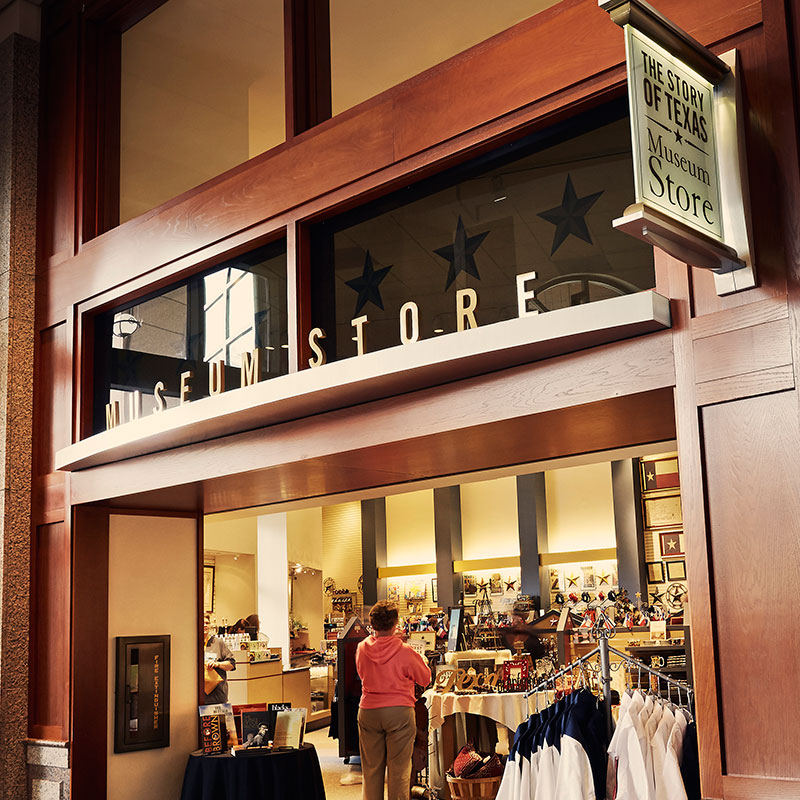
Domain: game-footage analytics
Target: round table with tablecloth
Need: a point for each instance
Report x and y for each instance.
(274, 775)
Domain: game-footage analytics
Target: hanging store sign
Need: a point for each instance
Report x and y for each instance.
(672, 126)
(690, 174)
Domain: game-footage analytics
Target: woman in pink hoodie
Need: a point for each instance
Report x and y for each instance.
(388, 669)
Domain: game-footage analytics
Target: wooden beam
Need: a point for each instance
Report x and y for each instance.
(89, 635)
(307, 43)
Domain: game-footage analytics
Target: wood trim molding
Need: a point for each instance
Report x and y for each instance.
(409, 569)
(748, 384)
(375, 375)
(693, 503)
(475, 564)
(740, 787)
(600, 554)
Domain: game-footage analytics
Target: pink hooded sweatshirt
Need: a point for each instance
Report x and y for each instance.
(388, 670)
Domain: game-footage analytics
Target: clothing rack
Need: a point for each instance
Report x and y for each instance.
(603, 633)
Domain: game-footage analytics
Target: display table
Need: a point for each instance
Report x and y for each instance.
(509, 709)
(273, 776)
(506, 710)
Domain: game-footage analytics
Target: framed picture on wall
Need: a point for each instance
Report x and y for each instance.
(676, 570)
(655, 572)
(671, 544)
(496, 584)
(434, 590)
(663, 512)
(208, 588)
(470, 585)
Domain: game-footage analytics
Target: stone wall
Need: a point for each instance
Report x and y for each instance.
(19, 101)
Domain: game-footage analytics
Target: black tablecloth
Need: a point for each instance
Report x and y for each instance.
(280, 775)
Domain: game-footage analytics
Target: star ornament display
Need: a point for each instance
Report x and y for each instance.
(569, 216)
(461, 254)
(366, 285)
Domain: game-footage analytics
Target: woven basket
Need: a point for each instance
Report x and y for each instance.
(471, 788)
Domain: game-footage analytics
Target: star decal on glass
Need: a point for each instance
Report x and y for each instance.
(461, 254)
(569, 216)
(367, 285)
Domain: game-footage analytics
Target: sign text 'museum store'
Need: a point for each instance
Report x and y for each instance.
(466, 301)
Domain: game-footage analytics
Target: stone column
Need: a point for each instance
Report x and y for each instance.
(19, 102)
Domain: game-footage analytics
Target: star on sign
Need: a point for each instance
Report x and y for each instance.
(678, 137)
(672, 544)
(461, 254)
(569, 216)
(367, 285)
(650, 476)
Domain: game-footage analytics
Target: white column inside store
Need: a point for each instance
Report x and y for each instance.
(272, 575)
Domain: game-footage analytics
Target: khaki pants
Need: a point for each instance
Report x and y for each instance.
(386, 741)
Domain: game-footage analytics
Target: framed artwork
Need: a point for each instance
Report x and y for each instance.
(671, 544)
(415, 589)
(555, 582)
(208, 588)
(392, 591)
(663, 512)
(660, 473)
(434, 590)
(141, 708)
(496, 584)
(655, 572)
(588, 576)
(470, 585)
(676, 570)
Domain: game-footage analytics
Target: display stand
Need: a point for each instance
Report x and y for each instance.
(603, 630)
(349, 687)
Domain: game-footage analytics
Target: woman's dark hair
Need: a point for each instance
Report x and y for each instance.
(252, 621)
(383, 615)
(240, 626)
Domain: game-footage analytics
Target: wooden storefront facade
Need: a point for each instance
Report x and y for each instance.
(723, 380)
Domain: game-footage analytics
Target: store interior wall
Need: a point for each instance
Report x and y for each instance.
(154, 552)
(580, 508)
(489, 524)
(410, 537)
(341, 547)
(234, 586)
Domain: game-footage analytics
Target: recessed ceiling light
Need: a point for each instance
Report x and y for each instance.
(438, 330)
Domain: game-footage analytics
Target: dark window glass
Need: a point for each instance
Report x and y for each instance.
(544, 205)
(215, 315)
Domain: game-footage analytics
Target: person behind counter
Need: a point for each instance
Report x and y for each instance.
(218, 661)
(387, 726)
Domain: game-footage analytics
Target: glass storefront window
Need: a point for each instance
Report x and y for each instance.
(545, 204)
(202, 91)
(217, 315)
(376, 44)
